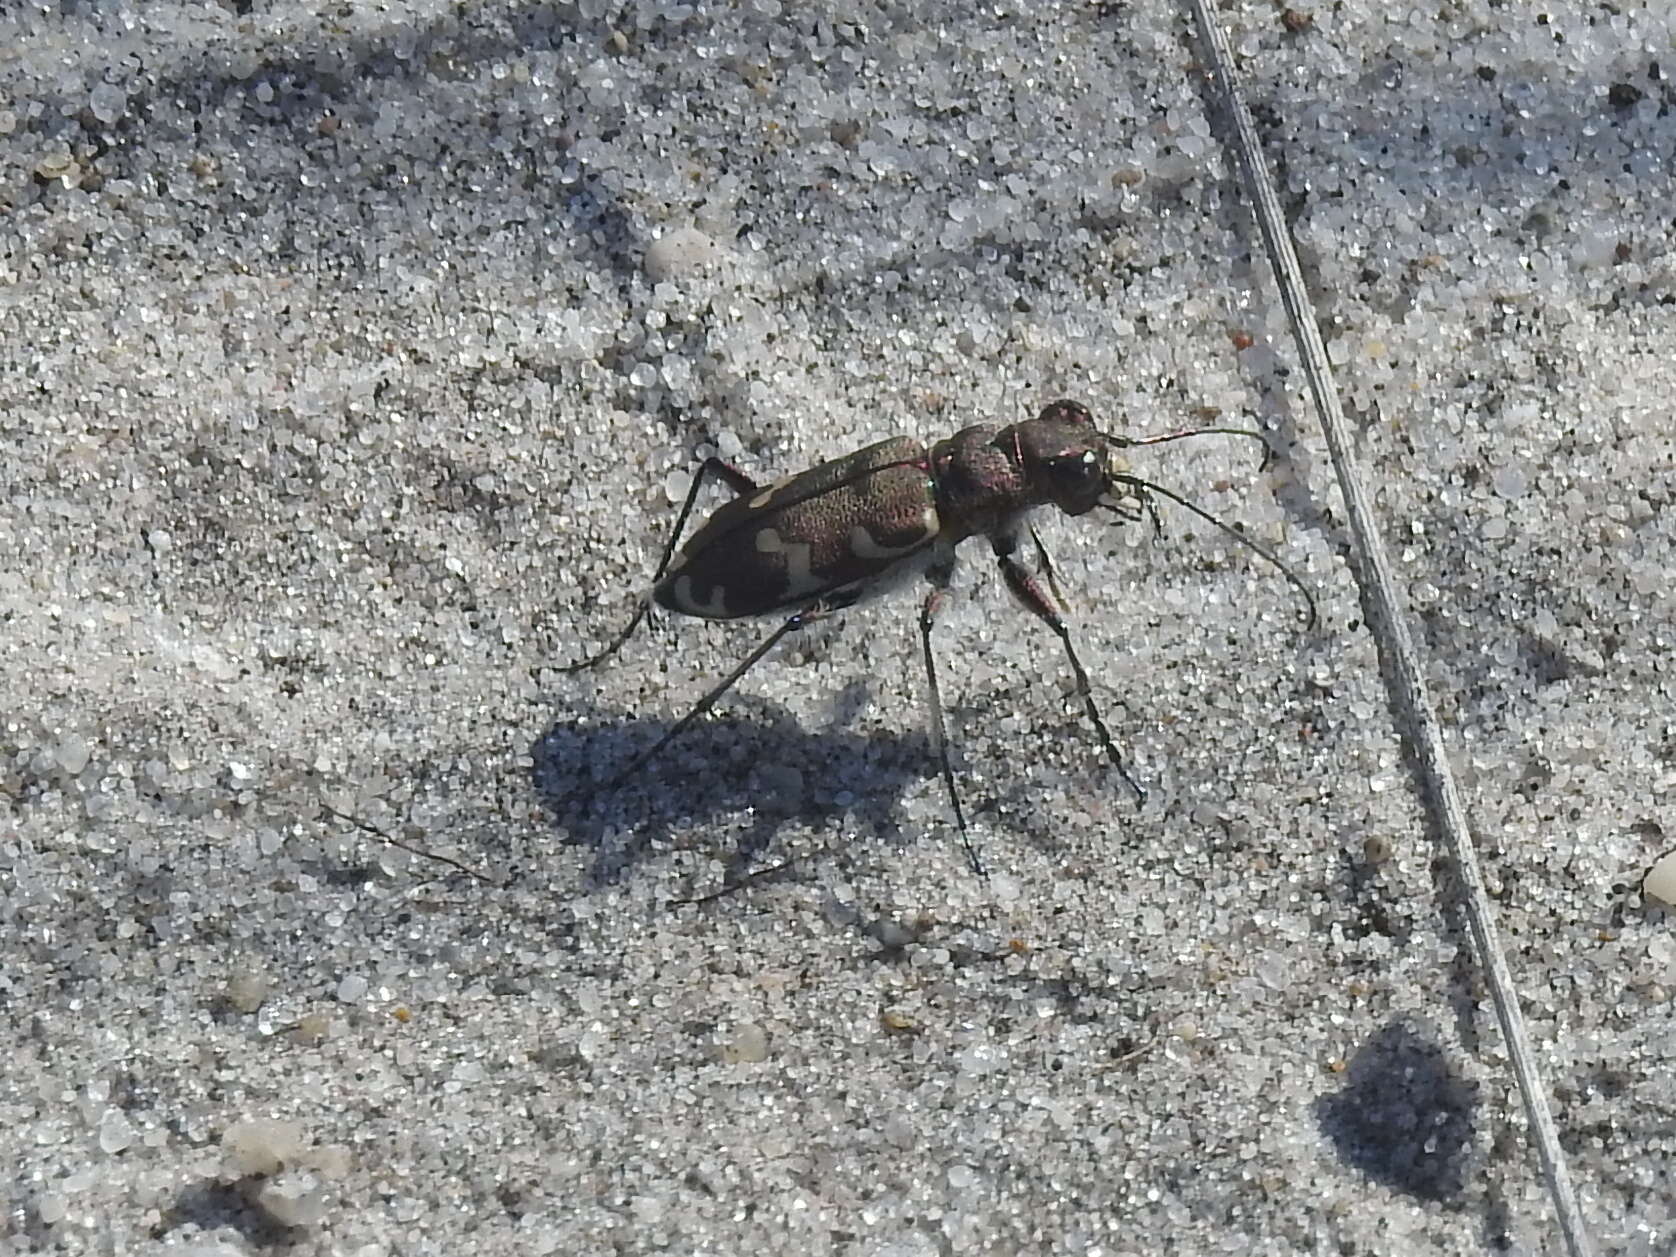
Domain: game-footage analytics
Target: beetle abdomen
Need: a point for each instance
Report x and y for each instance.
(829, 531)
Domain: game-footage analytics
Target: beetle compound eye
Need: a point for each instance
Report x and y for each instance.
(1066, 412)
(1074, 468)
(1077, 480)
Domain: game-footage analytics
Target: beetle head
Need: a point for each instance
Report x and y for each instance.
(1071, 462)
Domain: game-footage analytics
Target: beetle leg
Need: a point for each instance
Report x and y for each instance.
(808, 615)
(739, 482)
(1038, 598)
(1044, 565)
(939, 574)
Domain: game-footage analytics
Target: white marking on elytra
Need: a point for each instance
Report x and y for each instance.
(714, 609)
(799, 576)
(864, 546)
(767, 495)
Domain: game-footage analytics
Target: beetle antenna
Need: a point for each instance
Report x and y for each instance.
(1162, 437)
(1145, 487)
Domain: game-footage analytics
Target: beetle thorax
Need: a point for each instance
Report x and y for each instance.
(977, 484)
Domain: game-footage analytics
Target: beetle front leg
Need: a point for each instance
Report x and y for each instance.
(939, 574)
(1035, 593)
(739, 482)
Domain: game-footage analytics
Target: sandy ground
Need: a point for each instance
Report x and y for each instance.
(353, 360)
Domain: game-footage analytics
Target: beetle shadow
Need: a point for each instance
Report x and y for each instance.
(754, 761)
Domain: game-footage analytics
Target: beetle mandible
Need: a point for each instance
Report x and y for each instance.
(824, 539)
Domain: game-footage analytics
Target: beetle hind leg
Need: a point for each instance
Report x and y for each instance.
(736, 480)
(808, 615)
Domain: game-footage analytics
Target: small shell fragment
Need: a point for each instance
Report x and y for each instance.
(1660, 882)
(895, 1021)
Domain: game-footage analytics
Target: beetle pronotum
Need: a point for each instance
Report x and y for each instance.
(824, 539)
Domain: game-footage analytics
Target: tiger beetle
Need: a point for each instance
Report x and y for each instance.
(827, 538)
